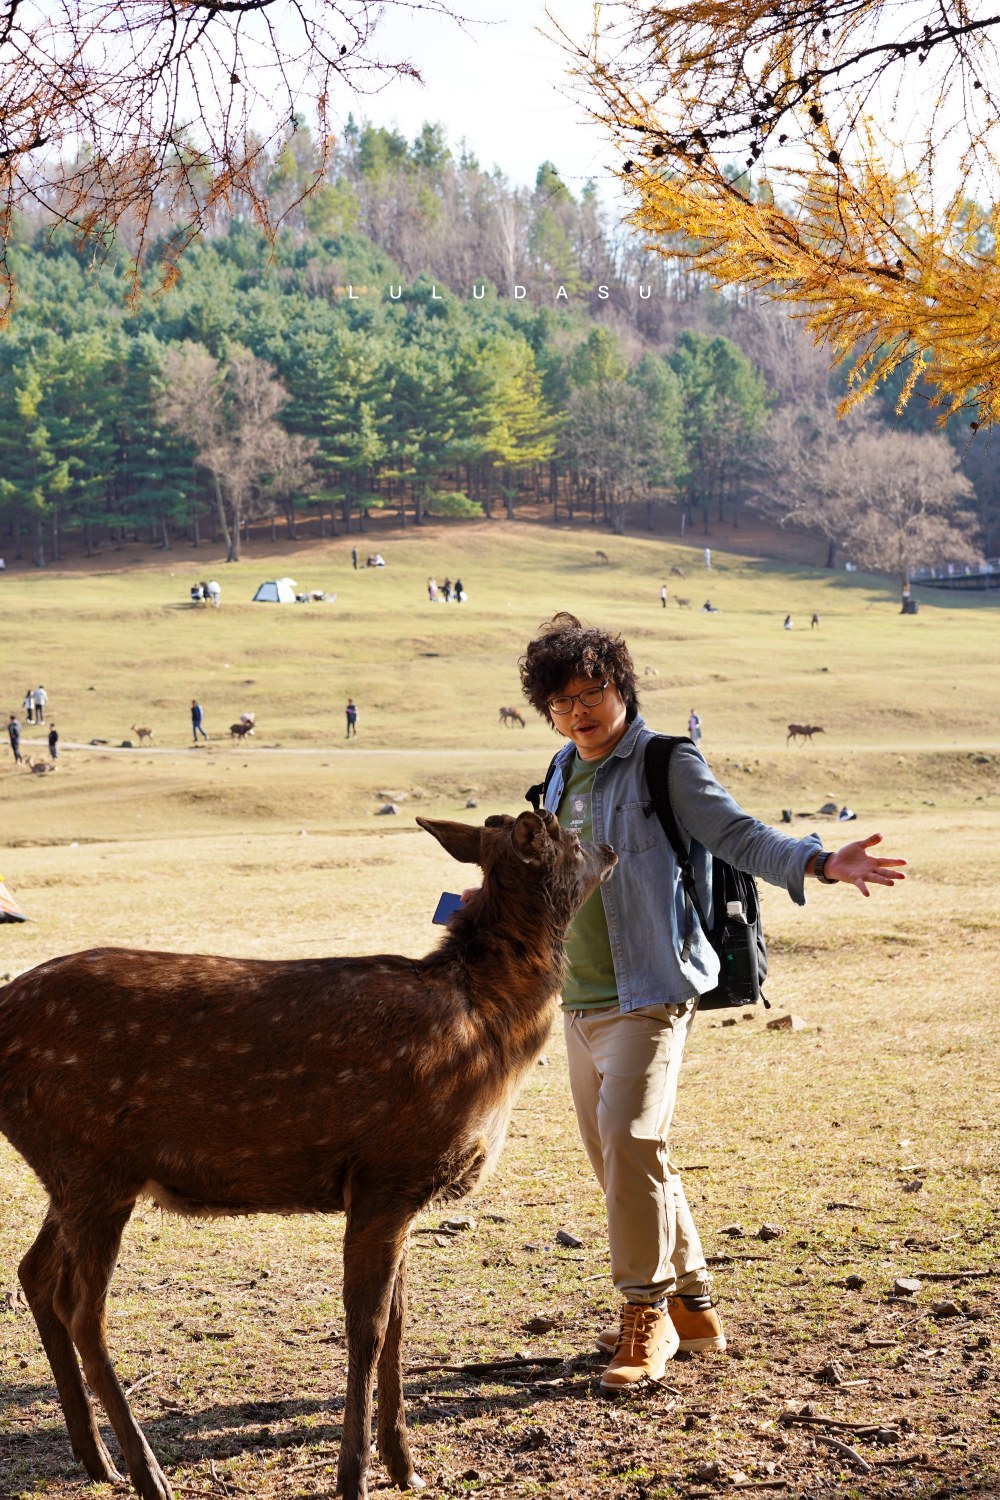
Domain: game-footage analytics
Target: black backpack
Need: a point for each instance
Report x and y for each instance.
(740, 944)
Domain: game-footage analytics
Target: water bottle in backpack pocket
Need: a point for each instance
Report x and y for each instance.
(739, 979)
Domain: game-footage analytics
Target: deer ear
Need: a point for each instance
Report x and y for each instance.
(460, 839)
(530, 835)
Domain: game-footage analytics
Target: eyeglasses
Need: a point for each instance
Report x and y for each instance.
(589, 698)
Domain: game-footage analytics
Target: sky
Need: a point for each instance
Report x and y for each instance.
(499, 84)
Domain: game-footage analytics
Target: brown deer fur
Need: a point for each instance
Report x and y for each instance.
(222, 1086)
(241, 730)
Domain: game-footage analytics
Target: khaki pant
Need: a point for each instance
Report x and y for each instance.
(623, 1070)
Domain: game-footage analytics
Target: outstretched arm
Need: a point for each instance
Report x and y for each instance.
(855, 866)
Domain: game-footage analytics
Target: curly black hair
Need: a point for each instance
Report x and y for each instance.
(564, 649)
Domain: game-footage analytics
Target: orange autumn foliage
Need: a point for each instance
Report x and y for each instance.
(760, 144)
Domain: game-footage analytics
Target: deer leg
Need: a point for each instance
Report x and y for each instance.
(373, 1246)
(92, 1249)
(39, 1273)
(393, 1443)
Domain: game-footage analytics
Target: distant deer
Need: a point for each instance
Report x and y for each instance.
(601, 556)
(142, 732)
(677, 573)
(805, 731)
(511, 716)
(40, 767)
(682, 603)
(219, 1086)
(241, 730)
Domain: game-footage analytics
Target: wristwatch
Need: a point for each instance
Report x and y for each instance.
(820, 866)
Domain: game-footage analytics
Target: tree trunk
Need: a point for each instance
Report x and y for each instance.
(165, 531)
(38, 549)
(232, 542)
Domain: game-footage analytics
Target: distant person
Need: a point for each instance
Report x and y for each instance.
(53, 742)
(788, 622)
(814, 622)
(29, 707)
(663, 596)
(214, 593)
(354, 557)
(39, 698)
(197, 727)
(446, 590)
(708, 608)
(694, 727)
(352, 719)
(432, 590)
(14, 735)
(459, 592)
(708, 558)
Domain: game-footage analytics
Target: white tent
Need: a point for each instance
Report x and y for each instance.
(277, 591)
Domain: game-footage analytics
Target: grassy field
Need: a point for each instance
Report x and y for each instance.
(232, 1332)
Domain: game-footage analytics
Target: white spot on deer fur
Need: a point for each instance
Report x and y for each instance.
(71, 1018)
(162, 1039)
(345, 1076)
(50, 1009)
(243, 1048)
(108, 1034)
(70, 1061)
(48, 1055)
(186, 1062)
(133, 1028)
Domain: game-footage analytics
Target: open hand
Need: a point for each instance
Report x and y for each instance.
(855, 866)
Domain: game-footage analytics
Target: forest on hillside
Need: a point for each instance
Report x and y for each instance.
(426, 340)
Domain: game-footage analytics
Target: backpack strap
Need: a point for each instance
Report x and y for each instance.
(536, 794)
(659, 752)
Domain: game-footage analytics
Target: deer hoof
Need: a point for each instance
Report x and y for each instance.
(99, 1465)
(414, 1482)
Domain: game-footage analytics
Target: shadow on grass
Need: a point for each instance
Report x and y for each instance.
(228, 1430)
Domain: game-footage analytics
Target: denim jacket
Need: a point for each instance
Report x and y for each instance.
(644, 899)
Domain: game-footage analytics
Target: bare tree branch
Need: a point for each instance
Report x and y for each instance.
(116, 112)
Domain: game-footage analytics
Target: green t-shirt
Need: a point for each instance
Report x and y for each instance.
(590, 973)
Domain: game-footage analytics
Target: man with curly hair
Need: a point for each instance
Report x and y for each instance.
(632, 981)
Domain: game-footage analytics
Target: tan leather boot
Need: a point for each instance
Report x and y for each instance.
(647, 1340)
(698, 1325)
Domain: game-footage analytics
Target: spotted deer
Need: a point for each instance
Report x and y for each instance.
(220, 1086)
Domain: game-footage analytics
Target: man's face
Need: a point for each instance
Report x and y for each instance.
(594, 728)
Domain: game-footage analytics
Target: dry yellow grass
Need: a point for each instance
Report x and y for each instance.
(205, 850)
